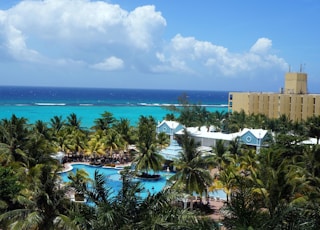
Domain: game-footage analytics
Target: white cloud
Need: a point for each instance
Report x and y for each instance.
(206, 58)
(79, 32)
(144, 25)
(262, 45)
(16, 46)
(66, 29)
(109, 64)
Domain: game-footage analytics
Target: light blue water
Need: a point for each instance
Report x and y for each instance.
(87, 114)
(113, 180)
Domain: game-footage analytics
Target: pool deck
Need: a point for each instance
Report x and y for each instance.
(67, 167)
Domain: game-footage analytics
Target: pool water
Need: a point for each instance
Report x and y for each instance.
(113, 178)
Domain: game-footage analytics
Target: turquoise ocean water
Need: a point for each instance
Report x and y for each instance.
(42, 103)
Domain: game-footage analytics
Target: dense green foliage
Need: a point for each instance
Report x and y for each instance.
(275, 189)
(32, 196)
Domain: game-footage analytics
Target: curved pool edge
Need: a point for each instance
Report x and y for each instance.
(67, 167)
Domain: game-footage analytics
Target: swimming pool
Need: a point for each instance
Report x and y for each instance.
(113, 180)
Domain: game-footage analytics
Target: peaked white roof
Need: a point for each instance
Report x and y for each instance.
(170, 124)
(258, 133)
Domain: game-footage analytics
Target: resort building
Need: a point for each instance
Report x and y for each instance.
(293, 101)
(255, 137)
(208, 137)
(169, 128)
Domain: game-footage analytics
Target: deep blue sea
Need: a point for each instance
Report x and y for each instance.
(42, 103)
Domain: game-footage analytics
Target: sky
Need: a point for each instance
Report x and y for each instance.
(227, 45)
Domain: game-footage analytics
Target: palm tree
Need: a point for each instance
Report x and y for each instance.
(226, 180)
(106, 213)
(124, 129)
(13, 136)
(220, 151)
(76, 141)
(169, 117)
(127, 210)
(236, 121)
(283, 124)
(256, 121)
(248, 162)
(192, 174)
(95, 145)
(216, 119)
(189, 114)
(41, 128)
(10, 187)
(278, 183)
(61, 140)
(310, 164)
(313, 124)
(128, 199)
(105, 122)
(163, 140)
(73, 121)
(39, 149)
(78, 181)
(43, 203)
(113, 141)
(148, 157)
(244, 211)
(310, 160)
(157, 212)
(234, 147)
(56, 124)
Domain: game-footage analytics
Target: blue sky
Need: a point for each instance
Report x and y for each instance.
(161, 44)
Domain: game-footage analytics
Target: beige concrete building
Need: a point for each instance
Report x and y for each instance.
(293, 101)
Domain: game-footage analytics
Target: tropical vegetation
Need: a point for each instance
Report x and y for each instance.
(275, 189)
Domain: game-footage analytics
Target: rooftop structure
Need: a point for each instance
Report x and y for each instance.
(295, 83)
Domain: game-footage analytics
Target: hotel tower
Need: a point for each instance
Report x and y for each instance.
(294, 101)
